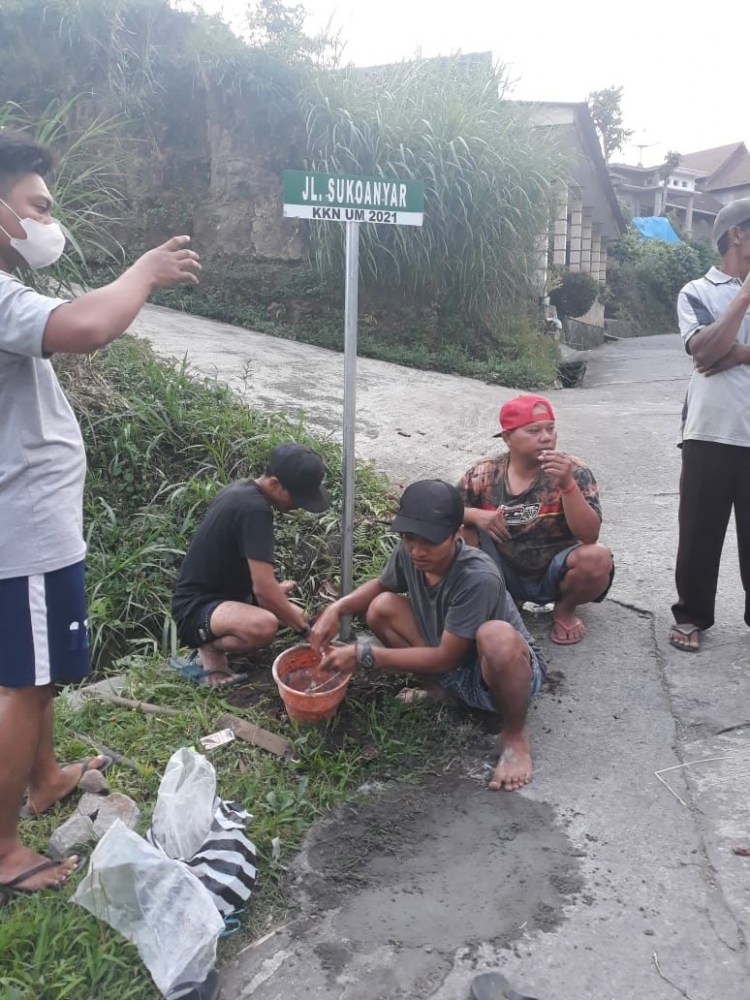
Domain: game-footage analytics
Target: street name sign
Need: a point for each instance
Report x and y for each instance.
(351, 200)
(341, 198)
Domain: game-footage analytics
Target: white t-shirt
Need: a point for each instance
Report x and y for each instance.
(42, 459)
(717, 408)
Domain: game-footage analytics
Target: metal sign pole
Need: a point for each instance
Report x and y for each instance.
(350, 414)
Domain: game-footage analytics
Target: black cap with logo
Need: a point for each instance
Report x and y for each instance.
(432, 509)
(300, 471)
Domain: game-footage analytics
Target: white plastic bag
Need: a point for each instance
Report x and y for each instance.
(156, 903)
(186, 804)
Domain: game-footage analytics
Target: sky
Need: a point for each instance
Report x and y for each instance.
(560, 51)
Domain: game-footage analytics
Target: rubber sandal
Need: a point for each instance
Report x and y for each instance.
(179, 662)
(85, 765)
(560, 635)
(494, 986)
(687, 631)
(13, 888)
(195, 673)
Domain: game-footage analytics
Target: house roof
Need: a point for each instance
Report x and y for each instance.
(734, 173)
(591, 166)
(708, 161)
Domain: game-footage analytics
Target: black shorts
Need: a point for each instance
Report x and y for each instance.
(195, 629)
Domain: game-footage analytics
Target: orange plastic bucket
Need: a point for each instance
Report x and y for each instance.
(296, 671)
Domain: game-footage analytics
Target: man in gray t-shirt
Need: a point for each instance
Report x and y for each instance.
(714, 317)
(43, 620)
(456, 628)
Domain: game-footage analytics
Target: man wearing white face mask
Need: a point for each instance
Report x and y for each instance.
(43, 621)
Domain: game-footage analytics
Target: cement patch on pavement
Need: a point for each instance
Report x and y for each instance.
(395, 869)
(396, 882)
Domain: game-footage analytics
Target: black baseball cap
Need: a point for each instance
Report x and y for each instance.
(431, 508)
(300, 471)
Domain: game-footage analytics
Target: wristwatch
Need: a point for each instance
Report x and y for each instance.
(366, 658)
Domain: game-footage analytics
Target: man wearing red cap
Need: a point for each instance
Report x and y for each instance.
(536, 511)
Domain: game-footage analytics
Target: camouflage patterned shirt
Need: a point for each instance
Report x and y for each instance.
(535, 518)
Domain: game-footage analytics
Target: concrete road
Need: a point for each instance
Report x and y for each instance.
(663, 906)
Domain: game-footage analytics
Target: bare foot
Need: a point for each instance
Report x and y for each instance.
(288, 586)
(567, 628)
(21, 859)
(62, 784)
(410, 696)
(428, 690)
(514, 767)
(685, 636)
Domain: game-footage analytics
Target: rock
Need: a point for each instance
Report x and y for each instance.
(94, 781)
(102, 811)
(77, 697)
(94, 815)
(70, 837)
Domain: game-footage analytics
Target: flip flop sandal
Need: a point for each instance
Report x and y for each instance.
(195, 673)
(14, 887)
(493, 986)
(180, 662)
(687, 631)
(560, 635)
(85, 765)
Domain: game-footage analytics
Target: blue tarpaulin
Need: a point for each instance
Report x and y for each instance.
(655, 227)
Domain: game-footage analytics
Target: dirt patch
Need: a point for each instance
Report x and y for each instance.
(441, 866)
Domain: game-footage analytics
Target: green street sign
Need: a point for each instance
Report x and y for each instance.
(340, 198)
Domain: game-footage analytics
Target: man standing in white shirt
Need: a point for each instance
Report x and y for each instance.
(43, 619)
(715, 326)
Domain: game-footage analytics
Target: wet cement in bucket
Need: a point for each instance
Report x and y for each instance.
(310, 679)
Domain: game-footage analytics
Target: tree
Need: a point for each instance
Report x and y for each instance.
(671, 160)
(606, 112)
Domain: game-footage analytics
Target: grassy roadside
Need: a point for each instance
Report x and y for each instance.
(54, 950)
(160, 443)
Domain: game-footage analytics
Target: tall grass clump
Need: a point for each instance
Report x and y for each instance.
(160, 445)
(489, 179)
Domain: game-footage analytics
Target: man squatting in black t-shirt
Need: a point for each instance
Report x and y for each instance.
(227, 600)
(457, 629)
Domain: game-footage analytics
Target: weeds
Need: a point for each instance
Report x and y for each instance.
(160, 445)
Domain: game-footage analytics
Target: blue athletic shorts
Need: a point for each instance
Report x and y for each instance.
(467, 684)
(44, 629)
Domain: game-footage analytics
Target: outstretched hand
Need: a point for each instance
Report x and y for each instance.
(170, 264)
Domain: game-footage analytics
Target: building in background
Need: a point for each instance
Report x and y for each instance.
(692, 192)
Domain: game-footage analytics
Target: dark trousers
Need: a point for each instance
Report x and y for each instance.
(714, 478)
